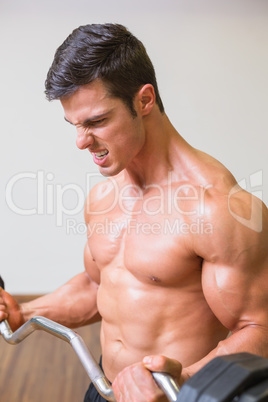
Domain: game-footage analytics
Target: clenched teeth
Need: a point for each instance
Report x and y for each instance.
(100, 155)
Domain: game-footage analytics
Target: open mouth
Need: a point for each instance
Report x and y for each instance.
(101, 155)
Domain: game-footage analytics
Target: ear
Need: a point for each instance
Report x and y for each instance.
(146, 99)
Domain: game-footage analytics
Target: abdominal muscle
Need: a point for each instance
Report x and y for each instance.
(141, 318)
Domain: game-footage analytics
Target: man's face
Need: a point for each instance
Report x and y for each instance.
(105, 127)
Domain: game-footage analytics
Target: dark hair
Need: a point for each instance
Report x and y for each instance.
(105, 51)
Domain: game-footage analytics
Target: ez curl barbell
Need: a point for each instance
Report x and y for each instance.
(96, 375)
(239, 377)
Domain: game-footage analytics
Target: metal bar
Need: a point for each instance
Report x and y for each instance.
(96, 375)
(41, 323)
(168, 385)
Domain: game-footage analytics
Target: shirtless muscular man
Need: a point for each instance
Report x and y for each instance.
(176, 256)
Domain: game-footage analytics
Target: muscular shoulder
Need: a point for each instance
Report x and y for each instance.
(239, 226)
(102, 196)
(208, 171)
(222, 193)
(236, 218)
(96, 194)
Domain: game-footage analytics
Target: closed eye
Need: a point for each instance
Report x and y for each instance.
(100, 121)
(95, 123)
(96, 120)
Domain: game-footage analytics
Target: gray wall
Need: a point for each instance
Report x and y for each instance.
(211, 61)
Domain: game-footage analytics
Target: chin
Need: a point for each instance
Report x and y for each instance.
(109, 171)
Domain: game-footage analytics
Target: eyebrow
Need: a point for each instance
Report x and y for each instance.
(90, 120)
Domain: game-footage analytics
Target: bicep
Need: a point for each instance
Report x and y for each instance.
(237, 292)
(235, 261)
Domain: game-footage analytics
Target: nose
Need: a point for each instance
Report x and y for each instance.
(84, 139)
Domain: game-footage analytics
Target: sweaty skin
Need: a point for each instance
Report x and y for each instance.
(176, 255)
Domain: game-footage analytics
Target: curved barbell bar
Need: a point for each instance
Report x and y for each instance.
(96, 375)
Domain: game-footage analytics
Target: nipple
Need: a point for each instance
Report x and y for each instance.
(154, 278)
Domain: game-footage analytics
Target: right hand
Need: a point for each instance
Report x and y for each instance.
(136, 383)
(10, 310)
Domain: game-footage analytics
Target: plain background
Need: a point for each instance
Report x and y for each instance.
(211, 60)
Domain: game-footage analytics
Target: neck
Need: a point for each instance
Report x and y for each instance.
(155, 160)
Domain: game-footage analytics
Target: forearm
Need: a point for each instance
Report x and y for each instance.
(251, 339)
(73, 304)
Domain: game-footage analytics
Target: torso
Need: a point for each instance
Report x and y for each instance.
(150, 295)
